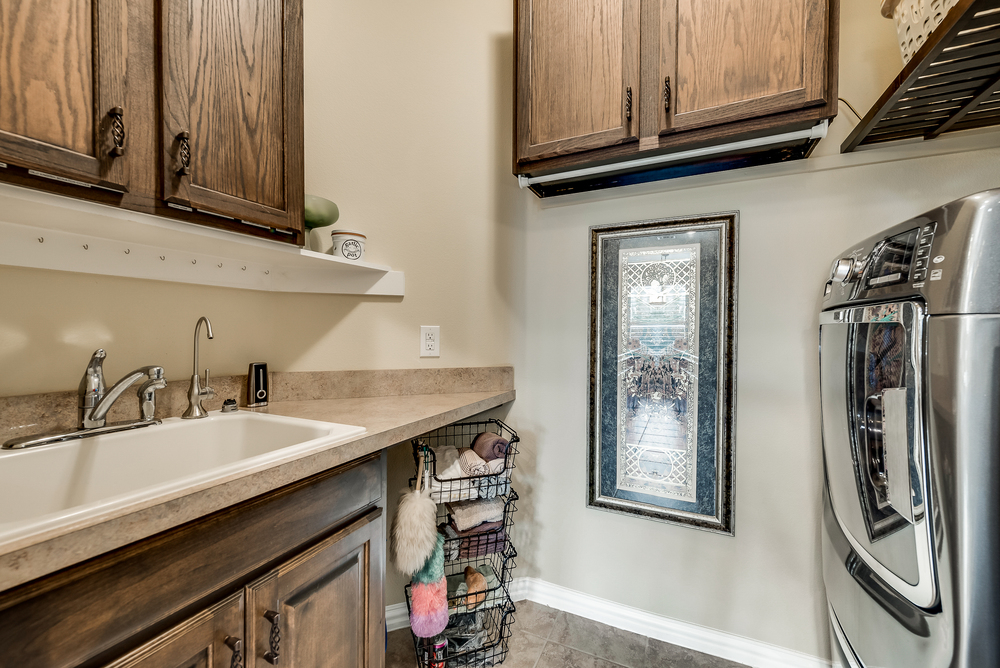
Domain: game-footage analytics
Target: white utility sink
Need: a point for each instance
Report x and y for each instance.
(83, 479)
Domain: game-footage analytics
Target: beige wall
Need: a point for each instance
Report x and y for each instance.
(408, 130)
(766, 582)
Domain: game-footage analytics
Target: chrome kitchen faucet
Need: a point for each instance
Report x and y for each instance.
(94, 404)
(197, 393)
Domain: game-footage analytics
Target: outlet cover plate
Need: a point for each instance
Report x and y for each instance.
(430, 341)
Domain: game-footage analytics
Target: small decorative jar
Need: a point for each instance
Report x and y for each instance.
(348, 244)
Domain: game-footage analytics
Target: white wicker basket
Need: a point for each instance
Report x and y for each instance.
(915, 20)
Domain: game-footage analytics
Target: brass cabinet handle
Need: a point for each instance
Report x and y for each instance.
(117, 115)
(236, 645)
(666, 94)
(628, 103)
(184, 141)
(274, 640)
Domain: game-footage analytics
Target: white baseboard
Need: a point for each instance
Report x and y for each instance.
(396, 617)
(692, 636)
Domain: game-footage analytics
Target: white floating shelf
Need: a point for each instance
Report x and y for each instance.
(46, 231)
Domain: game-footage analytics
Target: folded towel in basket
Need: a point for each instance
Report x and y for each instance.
(473, 464)
(485, 527)
(493, 486)
(444, 457)
(448, 485)
(490, 446)
(482, 544)
(486, 538)
(468, 514)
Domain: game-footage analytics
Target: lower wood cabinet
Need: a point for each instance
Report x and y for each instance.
(290, 578)
(320, 608)
(316, 609)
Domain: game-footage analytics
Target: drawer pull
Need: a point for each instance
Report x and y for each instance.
(628, 103)
(274, 640)
(236, 645)
(117, 115)
(184, 141)
(666, 94)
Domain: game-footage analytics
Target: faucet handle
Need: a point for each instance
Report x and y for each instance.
(206, 391)
(92, 384)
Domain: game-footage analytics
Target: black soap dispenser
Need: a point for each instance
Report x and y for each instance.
(258, 390)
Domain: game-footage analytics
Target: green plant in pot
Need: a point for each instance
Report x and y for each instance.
(319, 212)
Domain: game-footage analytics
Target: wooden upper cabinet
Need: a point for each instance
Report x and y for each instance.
(578, 75)
(700, 72)
(232, 108)
(728, 60)
(62, 89)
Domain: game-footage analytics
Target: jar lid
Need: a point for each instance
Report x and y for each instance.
(351, 232)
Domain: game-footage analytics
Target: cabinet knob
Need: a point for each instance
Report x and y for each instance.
(184, 152)
(236, 645)
(666, 95)
(117, 115)
(274, 640)
(628, 103)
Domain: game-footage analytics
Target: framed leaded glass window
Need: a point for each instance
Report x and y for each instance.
(662, 369)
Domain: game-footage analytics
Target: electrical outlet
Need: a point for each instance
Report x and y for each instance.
(430, 341)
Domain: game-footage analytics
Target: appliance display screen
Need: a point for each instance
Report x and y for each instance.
(892, 265)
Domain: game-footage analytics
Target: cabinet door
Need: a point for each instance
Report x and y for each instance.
(728, 60)
(232, 108)
(211, 639)
(323, 608)
(577, 75)
(62, 89)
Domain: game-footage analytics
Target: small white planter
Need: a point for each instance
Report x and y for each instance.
(348, 244)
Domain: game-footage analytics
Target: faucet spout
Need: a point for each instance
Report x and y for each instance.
(98, 416)
(197, 330)
(197, 393)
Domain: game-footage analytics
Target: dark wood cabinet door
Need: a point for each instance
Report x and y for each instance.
(732, 60)
(210, 639)
(62, 89)
(323, 608)
(232, 109)
(577, 83)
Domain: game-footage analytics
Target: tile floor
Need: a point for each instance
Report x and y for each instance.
(546, 638)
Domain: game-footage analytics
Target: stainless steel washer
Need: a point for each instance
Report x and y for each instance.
(910, 390)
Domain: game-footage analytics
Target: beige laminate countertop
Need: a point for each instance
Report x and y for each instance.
(388, 419)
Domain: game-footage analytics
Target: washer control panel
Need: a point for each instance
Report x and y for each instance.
(921, 264)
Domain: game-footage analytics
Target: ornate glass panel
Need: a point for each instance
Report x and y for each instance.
(658, 371)
(662, 352)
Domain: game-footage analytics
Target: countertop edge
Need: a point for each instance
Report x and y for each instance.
(30, 558)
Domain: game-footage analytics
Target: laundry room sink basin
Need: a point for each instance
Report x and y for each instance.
(86, 478)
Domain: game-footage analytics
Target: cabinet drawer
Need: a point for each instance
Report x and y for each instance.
(210, 639)
(97, 611)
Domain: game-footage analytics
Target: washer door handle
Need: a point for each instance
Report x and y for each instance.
(896, 446)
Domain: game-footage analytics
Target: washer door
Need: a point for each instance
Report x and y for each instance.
(873, 444)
